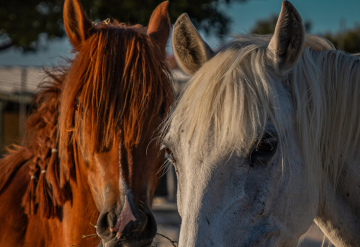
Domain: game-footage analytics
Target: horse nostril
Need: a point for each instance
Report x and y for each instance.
(125, 227)
(111, 217)
(150, 227)
(105, 222)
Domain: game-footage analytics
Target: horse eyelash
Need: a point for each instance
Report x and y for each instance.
(162, 147)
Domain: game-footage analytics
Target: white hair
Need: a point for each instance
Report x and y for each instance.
(230, 98)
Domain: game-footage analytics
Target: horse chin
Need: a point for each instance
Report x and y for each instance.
(121, 243)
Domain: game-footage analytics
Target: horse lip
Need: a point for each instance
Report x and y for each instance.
(141, 243)
(123, 243)
(147, 243)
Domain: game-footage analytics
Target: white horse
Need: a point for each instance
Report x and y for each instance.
(265, 138)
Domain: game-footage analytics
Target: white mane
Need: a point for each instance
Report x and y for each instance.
(233, 93)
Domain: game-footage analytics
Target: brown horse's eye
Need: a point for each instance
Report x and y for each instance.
(77, 102)
(162, 110)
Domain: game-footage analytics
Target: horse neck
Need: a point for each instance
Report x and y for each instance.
(338, 214)
(339, 116)
(81, 213)
(326, 94)
(75, 220)
(336, 130)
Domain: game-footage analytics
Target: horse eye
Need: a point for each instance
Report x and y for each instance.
(266, 145)
(264, 150)
(168, 153)
(162, 110)
(77, 102)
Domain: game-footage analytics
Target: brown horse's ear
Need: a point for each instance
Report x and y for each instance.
(78, 27)
(159, 25)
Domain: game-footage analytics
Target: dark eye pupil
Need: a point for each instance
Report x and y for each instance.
(168, 151)
(162, 110)
(265, 145)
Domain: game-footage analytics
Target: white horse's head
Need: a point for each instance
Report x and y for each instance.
(233, 138)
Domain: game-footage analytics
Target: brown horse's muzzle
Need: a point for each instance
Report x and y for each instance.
(128, 226)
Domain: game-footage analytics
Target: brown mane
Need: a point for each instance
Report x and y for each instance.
(118, 78)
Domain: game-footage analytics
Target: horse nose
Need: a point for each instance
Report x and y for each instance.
(126, 226)
(125, 217)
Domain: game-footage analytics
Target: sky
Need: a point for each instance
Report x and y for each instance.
(325, 16)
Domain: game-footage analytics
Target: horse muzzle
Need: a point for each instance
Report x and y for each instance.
(131, 227)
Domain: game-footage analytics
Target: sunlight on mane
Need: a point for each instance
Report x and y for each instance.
(233, 95)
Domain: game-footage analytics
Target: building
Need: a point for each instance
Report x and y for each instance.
(17, 87)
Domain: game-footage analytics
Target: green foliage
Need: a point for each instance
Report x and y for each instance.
(348, 41)
(23, 21)
(267, 26)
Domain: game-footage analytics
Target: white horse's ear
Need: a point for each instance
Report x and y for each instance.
(287, 44)
(190, 50)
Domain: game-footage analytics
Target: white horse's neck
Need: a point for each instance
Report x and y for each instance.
(338, 214)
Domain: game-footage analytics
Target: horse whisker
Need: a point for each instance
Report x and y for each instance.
(88, 236)
(171, 241)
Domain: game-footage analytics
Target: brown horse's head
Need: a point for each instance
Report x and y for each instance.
(115, 96)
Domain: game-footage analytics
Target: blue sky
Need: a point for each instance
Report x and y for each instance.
(324, 14)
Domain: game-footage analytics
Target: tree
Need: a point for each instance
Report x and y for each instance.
(348, 41)
(21, 22)
(267, 26)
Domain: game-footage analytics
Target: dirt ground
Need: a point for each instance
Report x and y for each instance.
(169, 221)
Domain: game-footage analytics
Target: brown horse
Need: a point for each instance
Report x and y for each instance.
(89, 144)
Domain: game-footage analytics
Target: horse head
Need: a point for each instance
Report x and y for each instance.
(116, 96)
(233, 139)
(97, 124)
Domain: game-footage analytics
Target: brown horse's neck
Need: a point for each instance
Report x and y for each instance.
(65, 229)
(74, 221)
(83, 211)
(19, 229)
(14, 221)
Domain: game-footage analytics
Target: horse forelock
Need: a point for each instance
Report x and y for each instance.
(233, 96)
(118, 79)
(224, 95)
(118, 75)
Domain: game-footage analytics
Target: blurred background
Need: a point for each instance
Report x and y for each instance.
(32, 37)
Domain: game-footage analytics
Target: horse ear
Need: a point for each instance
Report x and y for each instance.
(159, 25)
(190, 50)
(287, 44)
(78, 27)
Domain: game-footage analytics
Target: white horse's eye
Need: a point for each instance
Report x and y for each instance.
(168, 153)
(266, 144)
(264, 150)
